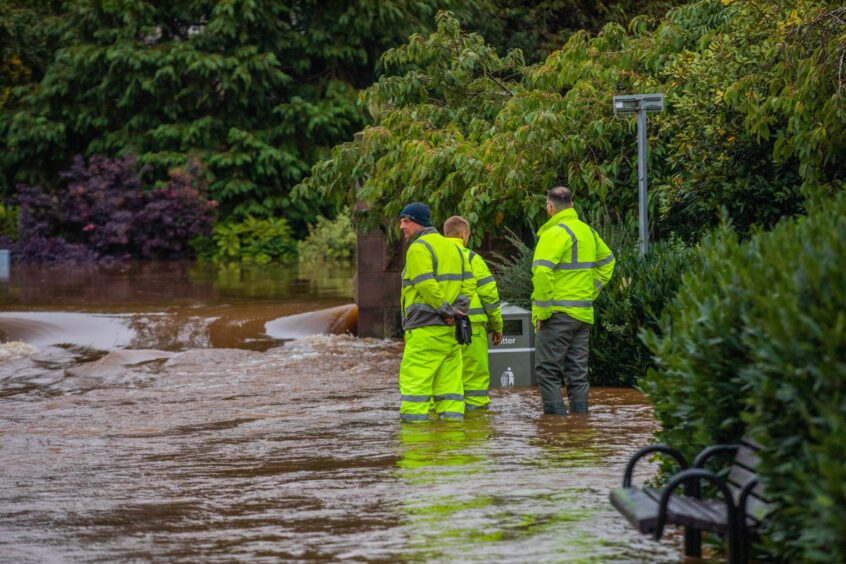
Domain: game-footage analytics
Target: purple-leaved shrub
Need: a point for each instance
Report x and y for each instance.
(101, 211)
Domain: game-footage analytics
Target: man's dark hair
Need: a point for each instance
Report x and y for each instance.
(560, 197)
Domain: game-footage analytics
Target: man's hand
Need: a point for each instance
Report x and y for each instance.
(538, 325)
(450, 321)
(496, 338)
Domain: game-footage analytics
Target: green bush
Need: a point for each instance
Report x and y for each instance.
(9, 221)
(631, 302)
(253, 240)
(756, 343)
(329, 241)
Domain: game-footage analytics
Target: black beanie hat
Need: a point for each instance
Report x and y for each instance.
(418, 213)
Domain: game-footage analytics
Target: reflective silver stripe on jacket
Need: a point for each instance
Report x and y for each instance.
(574, 264)
(485, 280)
(490, 307)
(598, 284)
(606, 260)
(475, 311)
(420, 307)
(563, 303)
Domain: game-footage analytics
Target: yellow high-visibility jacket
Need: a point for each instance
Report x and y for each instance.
(484, 303)
(437, 278)
(571, 265)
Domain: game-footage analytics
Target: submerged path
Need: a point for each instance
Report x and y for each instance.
(296, 454)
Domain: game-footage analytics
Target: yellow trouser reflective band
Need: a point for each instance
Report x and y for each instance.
(563, 303)
(475, 393)
(455, 397)
(415, 398)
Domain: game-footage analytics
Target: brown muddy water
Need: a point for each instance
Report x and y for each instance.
(236, 441)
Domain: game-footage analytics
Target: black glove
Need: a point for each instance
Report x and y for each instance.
(463, 330)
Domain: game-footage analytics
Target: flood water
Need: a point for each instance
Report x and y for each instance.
(240, 445)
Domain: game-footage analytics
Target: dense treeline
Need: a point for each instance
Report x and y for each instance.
(256, 91)
(755, 120)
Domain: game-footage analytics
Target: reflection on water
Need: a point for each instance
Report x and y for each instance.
(170, 306)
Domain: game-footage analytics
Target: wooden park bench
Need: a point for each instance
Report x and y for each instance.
(735, 513)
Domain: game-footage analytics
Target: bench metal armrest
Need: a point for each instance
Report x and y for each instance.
(627, 476)
(710, 451)
(693, 474)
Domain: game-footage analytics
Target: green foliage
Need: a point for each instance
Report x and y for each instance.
(256, 90)
(329, 242)
(30, 33)
(754, 344)
(538, 27)
(746, 128)
(253, 240)
(513, 272)
(633, 302)
(9, 221)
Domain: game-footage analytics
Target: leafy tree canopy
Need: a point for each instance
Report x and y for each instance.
(257, 89)
(755, 120)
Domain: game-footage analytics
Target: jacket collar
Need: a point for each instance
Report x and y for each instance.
(457, 240)
(424, 231)
(563, 215)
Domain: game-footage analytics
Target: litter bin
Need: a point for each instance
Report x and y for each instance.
(512, 362)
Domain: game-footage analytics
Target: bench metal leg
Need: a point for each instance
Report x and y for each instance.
(692, 542)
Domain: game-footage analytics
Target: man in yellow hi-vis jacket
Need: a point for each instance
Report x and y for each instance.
(437, 281)
(485, 316)
(570, 266)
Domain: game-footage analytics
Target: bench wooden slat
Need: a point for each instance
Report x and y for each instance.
(740, 476)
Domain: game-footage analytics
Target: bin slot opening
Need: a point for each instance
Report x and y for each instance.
(512, 327)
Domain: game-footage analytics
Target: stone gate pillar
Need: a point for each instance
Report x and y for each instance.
(378, 285)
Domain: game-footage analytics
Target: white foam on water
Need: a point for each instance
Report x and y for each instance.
(15, 350)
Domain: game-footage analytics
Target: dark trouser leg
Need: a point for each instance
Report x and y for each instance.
(551, 345)
(576, 367)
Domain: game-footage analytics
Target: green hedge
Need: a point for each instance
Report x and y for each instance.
(756, 342)
(631, 303)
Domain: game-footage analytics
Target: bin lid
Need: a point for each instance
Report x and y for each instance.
(511, 309)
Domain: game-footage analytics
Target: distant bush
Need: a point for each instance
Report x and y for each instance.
(756, 343)
(103, 211)
(254, 240)
(329, 241)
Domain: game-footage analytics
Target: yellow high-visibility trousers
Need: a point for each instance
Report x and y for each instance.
(476, 374)
(431, 370)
